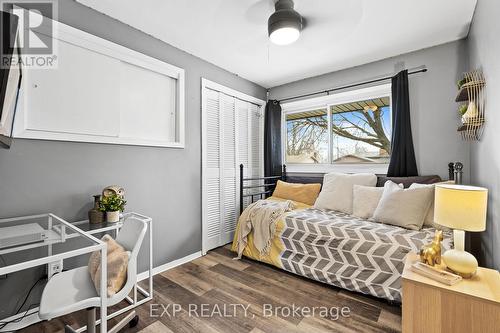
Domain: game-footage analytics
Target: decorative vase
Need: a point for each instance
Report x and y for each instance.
(113, 216)
(471, 114)
(95, 215)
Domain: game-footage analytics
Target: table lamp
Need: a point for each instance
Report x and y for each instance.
(462, 208)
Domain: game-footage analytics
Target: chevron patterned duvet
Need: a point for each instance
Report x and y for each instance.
(345, 251)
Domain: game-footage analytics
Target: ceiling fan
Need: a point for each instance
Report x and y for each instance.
(285, 24)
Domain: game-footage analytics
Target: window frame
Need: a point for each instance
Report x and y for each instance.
(327, 102)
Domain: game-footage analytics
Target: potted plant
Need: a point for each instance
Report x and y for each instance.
(112, 205)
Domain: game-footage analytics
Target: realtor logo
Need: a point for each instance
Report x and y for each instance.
(31, 33)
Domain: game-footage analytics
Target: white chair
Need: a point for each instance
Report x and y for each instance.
(74, 290)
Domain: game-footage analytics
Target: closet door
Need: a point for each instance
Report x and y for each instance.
(242, 114)
(229, 168)
(219, 197)
(256, 140)
(211, 186)
(231, 135)
(250, 144)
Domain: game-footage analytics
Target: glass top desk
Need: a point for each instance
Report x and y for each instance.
(50, 241)
(59, 241)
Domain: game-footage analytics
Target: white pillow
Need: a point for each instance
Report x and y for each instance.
(337, 189)
(429, 218)
(365, 200)
(405, 208)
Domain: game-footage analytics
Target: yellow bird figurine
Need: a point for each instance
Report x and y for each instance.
(431, 254)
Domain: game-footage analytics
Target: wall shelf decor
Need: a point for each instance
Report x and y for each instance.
(472, 96)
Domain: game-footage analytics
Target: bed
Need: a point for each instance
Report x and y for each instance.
(342, 250)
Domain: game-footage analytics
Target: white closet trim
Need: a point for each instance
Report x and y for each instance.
(205, 83)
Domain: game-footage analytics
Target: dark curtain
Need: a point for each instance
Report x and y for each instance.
(272, 139)
(403, 163)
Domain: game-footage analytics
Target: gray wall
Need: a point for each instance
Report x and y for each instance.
(433, 110)
(484, 52)
(60, 177)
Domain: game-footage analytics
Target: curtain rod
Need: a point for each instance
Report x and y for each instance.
(423, 70)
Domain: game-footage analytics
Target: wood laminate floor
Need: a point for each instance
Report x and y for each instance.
(215, 293)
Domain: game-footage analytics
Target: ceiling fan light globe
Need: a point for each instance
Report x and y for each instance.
(284, 36)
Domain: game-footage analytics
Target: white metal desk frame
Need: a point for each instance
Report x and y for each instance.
(133, 302)
(59, 236)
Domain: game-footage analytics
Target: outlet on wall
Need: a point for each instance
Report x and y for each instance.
(54, 268)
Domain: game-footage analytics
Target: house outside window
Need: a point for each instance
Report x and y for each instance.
(345, 132)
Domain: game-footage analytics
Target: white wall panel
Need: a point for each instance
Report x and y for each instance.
(150, 115)
(78, 97)
(101, 92)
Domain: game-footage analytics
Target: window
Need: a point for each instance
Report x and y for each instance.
(307, 137)
(343, 129)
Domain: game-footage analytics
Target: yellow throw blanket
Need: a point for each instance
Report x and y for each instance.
(260, 218)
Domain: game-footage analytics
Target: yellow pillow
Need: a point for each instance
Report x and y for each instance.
(305, 193)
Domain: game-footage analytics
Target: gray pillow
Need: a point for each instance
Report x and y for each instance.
(405, 208)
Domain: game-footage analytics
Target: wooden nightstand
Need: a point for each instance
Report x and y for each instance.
(472, 305)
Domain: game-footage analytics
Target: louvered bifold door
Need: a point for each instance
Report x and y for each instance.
(256, 141)
(229, 171)
(211, 211)
(242, 115)
(232, 135)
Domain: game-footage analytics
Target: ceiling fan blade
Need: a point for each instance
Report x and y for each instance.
(259, 12)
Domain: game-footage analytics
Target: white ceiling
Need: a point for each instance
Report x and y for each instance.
(339, 34)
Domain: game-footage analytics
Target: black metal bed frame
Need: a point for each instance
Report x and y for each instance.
(268, 188)
(454, 171)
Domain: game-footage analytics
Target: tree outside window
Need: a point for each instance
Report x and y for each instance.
(359, 133)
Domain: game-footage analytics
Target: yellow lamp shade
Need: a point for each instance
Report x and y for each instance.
(461, 207)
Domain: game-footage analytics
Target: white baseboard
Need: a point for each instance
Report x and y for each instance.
(169, 265)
